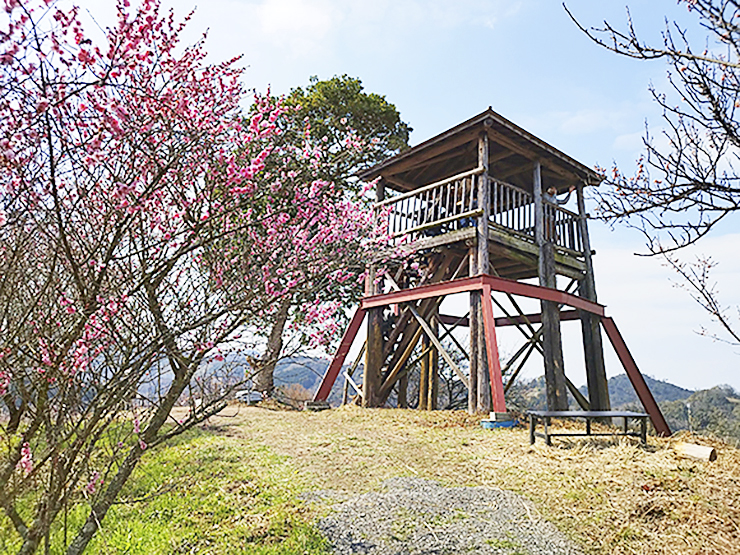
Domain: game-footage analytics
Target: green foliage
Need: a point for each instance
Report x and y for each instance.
(715, 410)
(204, 494)
(360, 129)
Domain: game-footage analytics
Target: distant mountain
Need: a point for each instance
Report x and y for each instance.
(621, 392)
(306, 371)
(531, 394)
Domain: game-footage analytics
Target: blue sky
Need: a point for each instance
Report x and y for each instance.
(441, 62)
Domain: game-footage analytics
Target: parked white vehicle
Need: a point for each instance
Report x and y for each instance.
(249, 397)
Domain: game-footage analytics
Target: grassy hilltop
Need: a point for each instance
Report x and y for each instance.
(233, 486)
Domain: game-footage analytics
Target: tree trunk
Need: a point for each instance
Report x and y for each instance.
(264, 379)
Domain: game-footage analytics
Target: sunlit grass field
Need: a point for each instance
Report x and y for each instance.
(205, 493)
(234, 485)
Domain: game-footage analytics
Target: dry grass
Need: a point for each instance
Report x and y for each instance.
(610, 496)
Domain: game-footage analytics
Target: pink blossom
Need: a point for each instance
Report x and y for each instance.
(26, 461)
(4, 382)
(95, 481)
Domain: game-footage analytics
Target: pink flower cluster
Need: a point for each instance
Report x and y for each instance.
(25, 464)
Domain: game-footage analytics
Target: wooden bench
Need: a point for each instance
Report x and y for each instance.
(546, 415)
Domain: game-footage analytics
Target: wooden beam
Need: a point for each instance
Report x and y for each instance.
(419, 159)
(352, 369)
(577, 395)
(529, 154)
(400, 183)
(445, 355)
(390, 379)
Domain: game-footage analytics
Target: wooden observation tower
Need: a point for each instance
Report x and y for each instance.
(474, 207)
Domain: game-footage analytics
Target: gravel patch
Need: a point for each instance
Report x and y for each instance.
(410, 516)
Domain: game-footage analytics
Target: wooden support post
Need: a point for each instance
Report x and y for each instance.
(474, 322)
(593, 347)
(552, 344)
(372, 375)
(433, 390)
(424, 376)
(373, 358)
(483, 391)
(403, 391)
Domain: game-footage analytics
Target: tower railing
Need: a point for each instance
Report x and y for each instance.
(434, 209)
(452, 204)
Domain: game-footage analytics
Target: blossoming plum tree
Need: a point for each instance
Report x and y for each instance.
(144, 226)
(346, 130)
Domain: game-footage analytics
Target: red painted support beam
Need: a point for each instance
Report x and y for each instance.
(322, 393)
(476, 283)
(513, 321)
(494, 363)
(638, 382)
(462, 285)
(543, 293)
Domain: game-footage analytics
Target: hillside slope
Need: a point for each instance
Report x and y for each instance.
(609, 496)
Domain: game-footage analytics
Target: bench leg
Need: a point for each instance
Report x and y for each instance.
(643, 430)
(532, 424)
(548, 441)
(588, 426)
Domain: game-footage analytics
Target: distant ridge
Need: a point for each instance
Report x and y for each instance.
(622, 393)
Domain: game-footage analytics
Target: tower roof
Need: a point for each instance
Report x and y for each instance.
(512, 153)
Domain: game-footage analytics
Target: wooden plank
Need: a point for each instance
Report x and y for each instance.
(439, 222)
(456, 236)
(527, 246)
